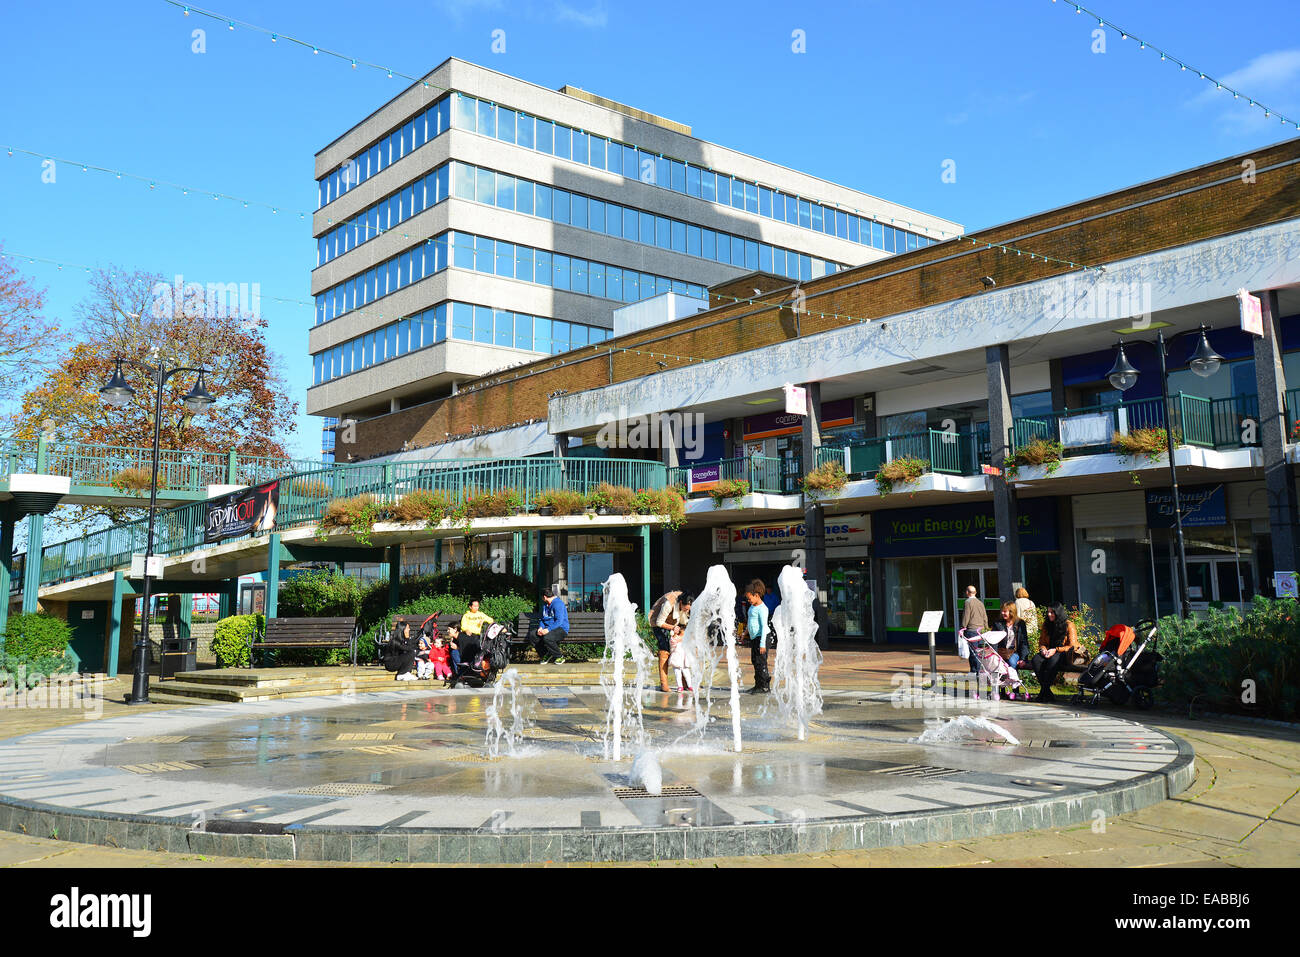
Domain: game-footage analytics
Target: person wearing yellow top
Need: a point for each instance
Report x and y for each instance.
(472, 622)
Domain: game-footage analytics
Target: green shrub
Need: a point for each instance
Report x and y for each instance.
(36, 635)
(1221, 661)
(323, 593)
(19, 673)
(473, 580)
(231, 638)
(503, 608)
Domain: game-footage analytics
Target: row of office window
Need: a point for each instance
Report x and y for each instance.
(453, 320)
(573, 209)
(564, 142)
(460, 250)
(408, 137)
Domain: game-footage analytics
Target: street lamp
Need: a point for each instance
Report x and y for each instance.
(1204, 362)
(117, 392)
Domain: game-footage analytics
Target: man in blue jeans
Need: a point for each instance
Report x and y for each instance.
(553, 627)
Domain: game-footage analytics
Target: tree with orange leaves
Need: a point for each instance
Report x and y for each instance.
(139, 317)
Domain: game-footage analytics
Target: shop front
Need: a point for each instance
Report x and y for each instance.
(779, 435)
(1127, 550)
(762, 550)
(928, 556)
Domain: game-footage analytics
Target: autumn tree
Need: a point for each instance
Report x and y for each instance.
(143, 319)
(27, 340)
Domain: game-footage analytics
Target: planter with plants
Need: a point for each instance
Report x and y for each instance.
(1045, 452)
(611, 499)
(422, 505)
(728, 488)
(668, 502)
(131, 480)
(559, 501)
(904, 470)
(311, 488)
(358, 514)
(829, 478)
(492, 504)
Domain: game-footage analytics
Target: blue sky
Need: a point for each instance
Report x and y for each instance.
(1011, 91)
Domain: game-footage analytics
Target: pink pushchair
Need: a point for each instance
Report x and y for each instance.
(1001, 676)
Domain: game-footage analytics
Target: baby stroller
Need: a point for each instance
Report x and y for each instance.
(1127, 667)
(992, 666)
(483, 656)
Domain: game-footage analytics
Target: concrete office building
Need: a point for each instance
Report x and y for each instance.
(477, 221)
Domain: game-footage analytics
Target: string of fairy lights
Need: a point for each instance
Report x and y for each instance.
(1183, 66)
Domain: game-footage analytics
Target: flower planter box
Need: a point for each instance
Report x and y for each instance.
(546, 511)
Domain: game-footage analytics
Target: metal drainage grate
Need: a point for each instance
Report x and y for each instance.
(668, 790)
(921, 771)
(366, 736)
(159, 739)
(158, 767)
(343, 789)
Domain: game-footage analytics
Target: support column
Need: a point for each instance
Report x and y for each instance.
(517, 552)
(394, 576)
(1006, 516)
(539, 567)
(122, 591)
(560, 562)
(879, 624)
(272, 575)
(6, 559)
(1069, 557)
(32, 564)
(186, 609)
(813, 515)
(644, 533)
(225, 603)
(1270, 382)
(437, 555)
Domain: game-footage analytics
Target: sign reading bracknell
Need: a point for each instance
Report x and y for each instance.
(242, 513)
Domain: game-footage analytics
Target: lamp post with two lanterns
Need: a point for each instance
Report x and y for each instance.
(1204, 362)
(117, 392)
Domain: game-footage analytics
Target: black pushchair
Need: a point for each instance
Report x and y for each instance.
(483, 656)
(1127, 667)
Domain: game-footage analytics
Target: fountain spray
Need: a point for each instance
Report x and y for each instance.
(796, 686)
(496, 729)
(623, 715)
(714, 611)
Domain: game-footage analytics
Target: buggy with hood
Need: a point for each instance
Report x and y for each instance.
(482, 657)
(1127, 667)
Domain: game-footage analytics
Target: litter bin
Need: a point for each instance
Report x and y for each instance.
(178, 654)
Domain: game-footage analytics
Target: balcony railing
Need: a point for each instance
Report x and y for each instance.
(949, 453)
(304, 497)
(763, 473)
(1227, 423)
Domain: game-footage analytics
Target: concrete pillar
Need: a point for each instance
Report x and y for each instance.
(117, 614)
(394, 576)
(1069, 557)
(814, 517)
(868, 414)
(879, 627)
(6, 559)
(272, 574)
(1006, 516)
(1056, 380)
(32, 565)
(1273, 432)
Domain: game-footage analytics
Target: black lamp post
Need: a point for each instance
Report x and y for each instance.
(1204, 361)
(117, 392)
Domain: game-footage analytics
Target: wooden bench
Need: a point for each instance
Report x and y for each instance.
(415, 621)
(585, 628)
(326, 633)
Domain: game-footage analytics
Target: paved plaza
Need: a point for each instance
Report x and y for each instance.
(414, 762)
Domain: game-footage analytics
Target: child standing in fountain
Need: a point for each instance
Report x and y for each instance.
(756, 623)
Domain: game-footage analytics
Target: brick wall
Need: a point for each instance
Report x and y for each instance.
(939, 273)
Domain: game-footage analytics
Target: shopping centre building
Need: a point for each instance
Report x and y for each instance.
(960, 354)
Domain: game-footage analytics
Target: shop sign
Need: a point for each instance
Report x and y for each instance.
(702, 478)
(1252, 313)
(840, 530)
(962, 529)
(796, 399)
(1201, 505)
(722, 539)
(603, 547)
(836, 413)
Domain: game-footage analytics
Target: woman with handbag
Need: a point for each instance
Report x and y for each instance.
(1056, 649)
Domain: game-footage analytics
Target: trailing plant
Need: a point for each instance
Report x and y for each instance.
(904, 470)
(728, 488)
(617, 497)
(827, 478)
(132, 480)
(358, 514)
(669, 502)
(1151, 444)
(231, 639)
(1038, 451)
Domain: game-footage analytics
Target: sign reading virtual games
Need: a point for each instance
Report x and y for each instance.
(242, 513)
(840, 530)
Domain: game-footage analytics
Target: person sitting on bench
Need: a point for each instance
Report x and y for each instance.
(553, 628)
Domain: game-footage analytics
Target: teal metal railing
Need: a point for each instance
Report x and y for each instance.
(762, 472)
(951, 453)
(1226, 423)
(304, 497)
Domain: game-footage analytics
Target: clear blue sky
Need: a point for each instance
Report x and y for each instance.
(886, 92)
